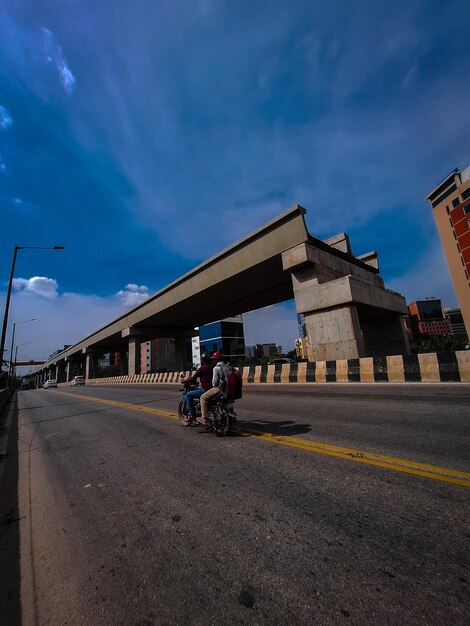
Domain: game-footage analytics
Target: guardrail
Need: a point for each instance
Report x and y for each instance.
(426, 368)
(5, 395)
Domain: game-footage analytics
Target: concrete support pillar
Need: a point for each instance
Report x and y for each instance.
(348, 312)
(68, 372)
(385, 334)
(134, 356)
(63, 372)
(334, 334)
(56, 372)
(181, 354)
(89, 366)
(123, 367)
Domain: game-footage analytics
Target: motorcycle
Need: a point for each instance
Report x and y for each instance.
(220, 412)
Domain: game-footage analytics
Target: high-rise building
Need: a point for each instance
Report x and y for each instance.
(157, 354)
(226, 336)
(456, 321)
(195, 351)
(450, 202)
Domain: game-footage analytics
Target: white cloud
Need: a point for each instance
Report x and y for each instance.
(6, 119)
(38, 285)
(65, 319)
(55, 56)
(132, 294)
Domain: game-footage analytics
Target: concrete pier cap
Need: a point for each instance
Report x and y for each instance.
(348, 313)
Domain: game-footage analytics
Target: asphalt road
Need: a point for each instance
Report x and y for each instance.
(329, 504)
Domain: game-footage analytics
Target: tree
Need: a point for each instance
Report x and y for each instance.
(439, 343)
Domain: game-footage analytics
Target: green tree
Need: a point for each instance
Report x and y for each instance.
(439, 343)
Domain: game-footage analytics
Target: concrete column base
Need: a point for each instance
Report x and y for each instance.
(89, 367)
(385, 334)
(181, 354)
(334, 334)
(134, 356)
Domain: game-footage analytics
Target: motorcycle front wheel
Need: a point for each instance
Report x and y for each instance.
(183, 414)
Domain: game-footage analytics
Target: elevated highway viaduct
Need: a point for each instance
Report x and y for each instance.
(348, 312)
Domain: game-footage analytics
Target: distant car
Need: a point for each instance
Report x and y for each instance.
(77, 380)
(50, 383)
(281, 360)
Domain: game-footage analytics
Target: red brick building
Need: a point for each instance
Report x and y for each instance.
(426, 317)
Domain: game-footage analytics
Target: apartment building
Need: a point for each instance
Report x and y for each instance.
(450, 202)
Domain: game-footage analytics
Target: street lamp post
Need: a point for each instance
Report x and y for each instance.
(7, 303)
(16, 354)
(10, 369)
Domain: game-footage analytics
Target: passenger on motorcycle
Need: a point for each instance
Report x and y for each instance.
(219, 383)
(204, 373)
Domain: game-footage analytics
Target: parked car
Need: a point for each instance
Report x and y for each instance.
(77, 380)
(281, 360)
(50, 383)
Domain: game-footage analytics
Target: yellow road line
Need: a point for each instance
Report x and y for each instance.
(455, 477)
(123, 405)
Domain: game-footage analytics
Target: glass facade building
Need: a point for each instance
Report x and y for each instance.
(226, 336)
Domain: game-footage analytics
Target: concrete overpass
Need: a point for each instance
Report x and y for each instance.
(348, 312)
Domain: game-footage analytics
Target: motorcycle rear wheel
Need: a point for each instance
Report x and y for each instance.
(183, 415)
(222, 423)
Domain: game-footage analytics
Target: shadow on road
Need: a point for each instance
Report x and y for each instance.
(286, 428)
(10, 603)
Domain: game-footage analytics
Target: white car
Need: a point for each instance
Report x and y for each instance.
(50, 383)
(77, 380)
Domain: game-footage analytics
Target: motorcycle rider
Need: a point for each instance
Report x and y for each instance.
(219, 383)
(204, 373)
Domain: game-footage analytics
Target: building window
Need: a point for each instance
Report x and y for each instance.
(210, 331)
(450, 222)
(448, 210)
(467, 209)
(455, 236)
(444, 196)
(466, 194)
(458, 247)
(455, 202)
(463, 262)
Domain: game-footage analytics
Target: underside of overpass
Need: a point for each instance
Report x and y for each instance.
(336, 292)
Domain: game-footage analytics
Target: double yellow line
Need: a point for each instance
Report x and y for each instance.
(399, 465)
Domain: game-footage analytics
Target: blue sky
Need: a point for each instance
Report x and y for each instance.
(146, 136)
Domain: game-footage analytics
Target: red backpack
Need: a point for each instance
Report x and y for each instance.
(234, 385)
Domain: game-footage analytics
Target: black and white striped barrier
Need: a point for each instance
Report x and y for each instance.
(426, 368)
